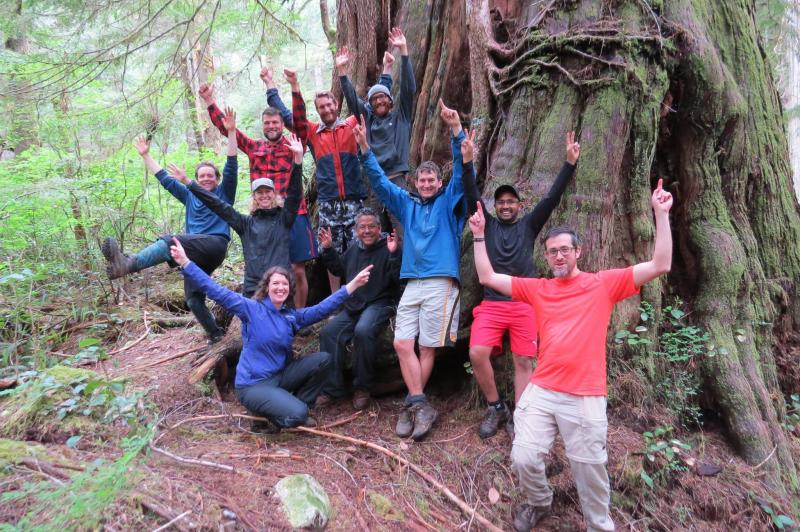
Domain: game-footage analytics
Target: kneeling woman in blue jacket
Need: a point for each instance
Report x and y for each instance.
(269, 382)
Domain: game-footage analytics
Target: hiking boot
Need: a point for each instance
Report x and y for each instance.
(119, 264)
(323, 400)
(527, 516)
(424, 418)
(492, 421)
(264, 427)
(405, 423)
(361, 399)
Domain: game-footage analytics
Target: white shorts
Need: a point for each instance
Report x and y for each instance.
(429, 309)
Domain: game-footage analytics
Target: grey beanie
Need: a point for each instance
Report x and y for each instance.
(375, 89)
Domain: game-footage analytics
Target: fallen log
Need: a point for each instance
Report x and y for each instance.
(229, 346)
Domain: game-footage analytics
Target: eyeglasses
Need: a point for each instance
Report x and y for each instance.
(364, 227)
(506, 202)
(553, 252)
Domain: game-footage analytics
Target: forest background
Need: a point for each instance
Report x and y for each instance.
(79, 80)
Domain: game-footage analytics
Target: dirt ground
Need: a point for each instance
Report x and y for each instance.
(229, 483)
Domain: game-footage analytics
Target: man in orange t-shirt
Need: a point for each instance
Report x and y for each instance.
(568, 388)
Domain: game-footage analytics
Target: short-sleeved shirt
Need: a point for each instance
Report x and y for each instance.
(573, 316)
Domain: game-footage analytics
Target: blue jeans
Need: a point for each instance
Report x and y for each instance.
(285, 396)
(363, 329)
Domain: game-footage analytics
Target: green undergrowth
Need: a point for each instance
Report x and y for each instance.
(64, 400)
(87, 499)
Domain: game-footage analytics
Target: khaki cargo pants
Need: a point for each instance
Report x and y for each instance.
(582, 423)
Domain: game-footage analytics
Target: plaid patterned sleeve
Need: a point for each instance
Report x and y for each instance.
(245, 143)
(301, 126)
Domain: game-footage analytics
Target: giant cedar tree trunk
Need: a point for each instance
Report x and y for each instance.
(680, 89)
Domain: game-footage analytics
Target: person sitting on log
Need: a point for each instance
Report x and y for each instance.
(567, 392)
(433, 219)
(271, 383)
(271, 158)
(207, 236)
(366, 314)
(510, 239)
(388, 126)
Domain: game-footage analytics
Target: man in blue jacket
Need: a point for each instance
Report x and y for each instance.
(433, 219)
(207, 236)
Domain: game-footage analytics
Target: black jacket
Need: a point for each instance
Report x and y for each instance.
(383, 285)
(264, 234)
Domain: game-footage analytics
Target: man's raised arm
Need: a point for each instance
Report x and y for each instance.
(408, 84)
(274, 98)
(662, 253)
(245, 143)
(354, 104)
(486, 274)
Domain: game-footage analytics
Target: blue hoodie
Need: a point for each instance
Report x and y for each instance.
(432, 227)
(199, 218)
(267, 332)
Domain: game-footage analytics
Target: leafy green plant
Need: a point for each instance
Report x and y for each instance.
(679, 347)
(792, 422)
(82, 502)
(779, 521)
(64, 398)
(663, 456)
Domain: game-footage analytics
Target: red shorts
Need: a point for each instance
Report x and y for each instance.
(494, 318)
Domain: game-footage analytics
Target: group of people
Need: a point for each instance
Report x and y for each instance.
(562, 321)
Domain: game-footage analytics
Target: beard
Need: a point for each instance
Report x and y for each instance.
(561, 271)
(273, 135)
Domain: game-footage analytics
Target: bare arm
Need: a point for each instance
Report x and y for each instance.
(661, 262)
(486, 275)
(229, 121)
(143, 147)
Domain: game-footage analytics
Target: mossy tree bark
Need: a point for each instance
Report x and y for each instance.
(676, 89)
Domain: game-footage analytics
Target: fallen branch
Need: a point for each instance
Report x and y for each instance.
(171, 357)
(194, 461)
(150, 504)
(272, 456)
(342, 421)
(465, 508)
(172, 521)
(142, 337)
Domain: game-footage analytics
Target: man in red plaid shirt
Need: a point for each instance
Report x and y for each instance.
(271, 158)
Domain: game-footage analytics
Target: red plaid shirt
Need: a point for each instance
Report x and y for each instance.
(267, 159)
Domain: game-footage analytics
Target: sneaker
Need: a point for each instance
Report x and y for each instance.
(424, 418)
(323, 400)
(361, 399)
(528, 516)
(492, 421)
(405, 423)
